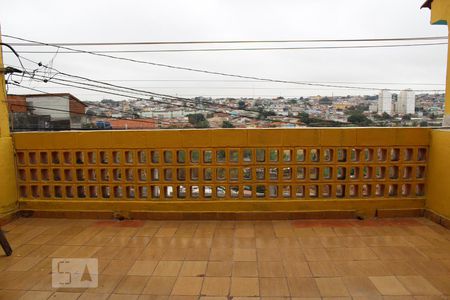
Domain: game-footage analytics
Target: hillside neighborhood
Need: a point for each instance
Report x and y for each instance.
(65, 111)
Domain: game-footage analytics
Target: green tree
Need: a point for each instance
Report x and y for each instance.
(202, 124)
(242, 104)
(195, 118)
(90, 113)
(263, 114)
(325, 101)
(88, 126)
(406, 117)
(386, 116)
(304, 117)
(227, 124)
(359, 119)
(360, 108)
(198, 120)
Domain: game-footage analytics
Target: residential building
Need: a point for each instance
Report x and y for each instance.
(385, 102)
(406, 102)
(17, 104)
(21, 118)
(64, 111)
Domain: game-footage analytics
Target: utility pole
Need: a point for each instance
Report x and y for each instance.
(8, 182)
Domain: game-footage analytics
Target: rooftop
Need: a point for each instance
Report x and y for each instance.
(232, 259)
(71, 97)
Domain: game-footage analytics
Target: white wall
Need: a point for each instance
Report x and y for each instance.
(76, 120)
(53, 102)
(407, 102)
(169, 114)
(385, 102)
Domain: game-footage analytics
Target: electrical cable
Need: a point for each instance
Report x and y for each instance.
(227, 80)
(179, 105)
(238, 41)
(150, 93)
(192, 69)
(15, 53)
(189, 69)
(240, 49)
(170, 96)
(84, 114)
(189, 99)
(235, 88)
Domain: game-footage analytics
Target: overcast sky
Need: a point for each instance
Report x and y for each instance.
(181, 20)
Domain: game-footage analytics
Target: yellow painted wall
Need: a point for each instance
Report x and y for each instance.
(8, 185)
(440, 14)
(447, 89)
(8, 182)
(438, 178)
(438, 183)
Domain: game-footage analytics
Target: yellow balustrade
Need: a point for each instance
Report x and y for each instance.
(223, 170)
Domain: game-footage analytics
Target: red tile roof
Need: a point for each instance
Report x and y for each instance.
(133, 124)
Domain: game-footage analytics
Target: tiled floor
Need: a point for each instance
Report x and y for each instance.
(346, 259)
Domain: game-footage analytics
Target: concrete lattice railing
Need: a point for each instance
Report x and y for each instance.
(234, 170)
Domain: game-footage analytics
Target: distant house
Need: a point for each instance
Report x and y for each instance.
(17, 104)
(63, 110)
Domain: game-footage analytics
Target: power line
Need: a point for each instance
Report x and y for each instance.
(239, 49)
(171, 103)
(14, 52)
(104, 92)
(142, 91)
(227, 80)
(197, 70)
(165, 102)
(235, 41)
(178, 98)
(109, 87)
(183, 99)
(136, 89)
(192, 69)
(132, 89)
(77, 113)
(228, 88)
(259, 82)
(151, 93)
(169, 123)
